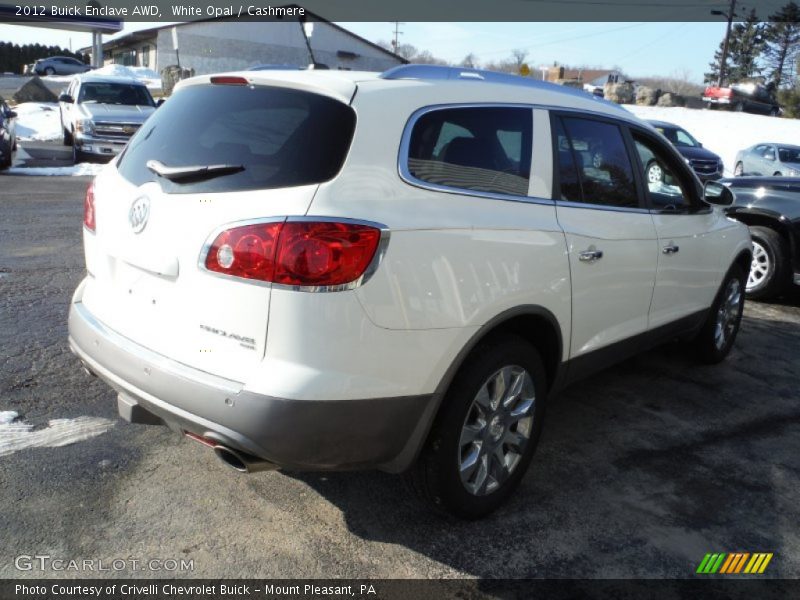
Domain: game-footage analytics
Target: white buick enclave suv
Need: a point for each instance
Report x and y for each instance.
(338, 270)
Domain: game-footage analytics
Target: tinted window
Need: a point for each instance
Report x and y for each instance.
(115, 93)
(485, 149)
(664, 188)
(789, 154)
(570, 183)
(598, 154)
(281, 137)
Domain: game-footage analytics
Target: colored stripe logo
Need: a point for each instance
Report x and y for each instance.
(734, 563)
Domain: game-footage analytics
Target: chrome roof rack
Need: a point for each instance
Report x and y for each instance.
(442, 73)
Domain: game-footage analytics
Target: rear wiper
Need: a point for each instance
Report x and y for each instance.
(195, 172)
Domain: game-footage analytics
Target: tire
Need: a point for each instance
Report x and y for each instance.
(774, 112)
(715, 340)
(738, 170)
(768, 274)
(654, 172)
(49, 71)
(474, 428)
(80, 157)
(7, 160)
(68, 140)
(777, 174)
(738, 107)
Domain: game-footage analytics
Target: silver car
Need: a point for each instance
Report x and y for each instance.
(780, 160)
(60, 65)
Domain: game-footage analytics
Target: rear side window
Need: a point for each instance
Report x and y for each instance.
(593, 164)
(282, 138)
(483, 149)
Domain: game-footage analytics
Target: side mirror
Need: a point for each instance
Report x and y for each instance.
(716, 193)
(160, 101)
(11, 114)
(770, 156)
(66, 98)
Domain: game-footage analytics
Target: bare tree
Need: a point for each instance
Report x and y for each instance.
(470, 61)
(518, 56)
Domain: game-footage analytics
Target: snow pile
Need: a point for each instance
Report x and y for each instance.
(725, 132)
(79, 170)
(38, 121)
(150, 78)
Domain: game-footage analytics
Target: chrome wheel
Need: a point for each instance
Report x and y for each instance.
(760, 267)
(496, 431)
(655, 173)
(728, 313)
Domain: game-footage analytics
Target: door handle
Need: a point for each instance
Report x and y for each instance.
(671, 249)
(590, 255)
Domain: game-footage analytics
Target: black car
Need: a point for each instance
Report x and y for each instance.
(8, 135)
(705, 163)
(770, 206)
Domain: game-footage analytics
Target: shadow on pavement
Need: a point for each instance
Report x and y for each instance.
(641, 470)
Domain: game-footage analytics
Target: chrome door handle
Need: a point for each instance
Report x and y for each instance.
(671, 249)
(590, 255)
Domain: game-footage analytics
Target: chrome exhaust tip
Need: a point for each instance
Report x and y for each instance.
(242, 462)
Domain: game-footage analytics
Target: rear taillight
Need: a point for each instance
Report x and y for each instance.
(295, 253)
(88, 208)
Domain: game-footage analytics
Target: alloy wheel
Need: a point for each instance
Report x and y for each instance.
(655, 173)
(497, 430)
(728, 313)
(760, 267)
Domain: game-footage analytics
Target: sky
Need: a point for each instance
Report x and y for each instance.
(640, 49)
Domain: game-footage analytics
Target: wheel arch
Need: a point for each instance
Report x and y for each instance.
(772, 220)
(533, 323)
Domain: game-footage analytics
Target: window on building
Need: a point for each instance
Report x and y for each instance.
(146, 56)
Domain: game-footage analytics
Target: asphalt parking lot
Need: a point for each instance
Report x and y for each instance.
(641, 470)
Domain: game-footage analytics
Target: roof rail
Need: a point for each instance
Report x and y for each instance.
(440, 73)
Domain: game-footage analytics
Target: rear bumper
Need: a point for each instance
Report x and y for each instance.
(300, 434)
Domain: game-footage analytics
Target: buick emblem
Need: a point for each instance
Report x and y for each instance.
(139, 213)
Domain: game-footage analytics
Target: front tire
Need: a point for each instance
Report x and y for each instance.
(49, 71)
(486, 432)
(655, 174)
(767, 276)
(716, 338)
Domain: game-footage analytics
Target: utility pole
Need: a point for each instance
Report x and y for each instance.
(397, 34)
(724, 58)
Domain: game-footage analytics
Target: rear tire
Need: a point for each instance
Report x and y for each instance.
(49, 71)
(715, 340)
(485, 434)
(738, 170)
(777, 174)
(768, 274)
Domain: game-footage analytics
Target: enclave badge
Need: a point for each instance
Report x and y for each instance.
(139, 213)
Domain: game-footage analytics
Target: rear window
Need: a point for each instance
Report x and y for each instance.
(281, 137)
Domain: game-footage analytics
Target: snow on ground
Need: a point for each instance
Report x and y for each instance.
(38, 121)
(150, 78)
(724, 132)
(15, 436)
(79, 170)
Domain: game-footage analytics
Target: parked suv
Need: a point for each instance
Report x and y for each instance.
(339, 270)
(100, 114)
(705, 163)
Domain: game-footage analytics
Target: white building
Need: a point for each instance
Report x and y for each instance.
(214, 45)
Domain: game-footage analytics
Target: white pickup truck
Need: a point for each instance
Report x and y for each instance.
(100, 114)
